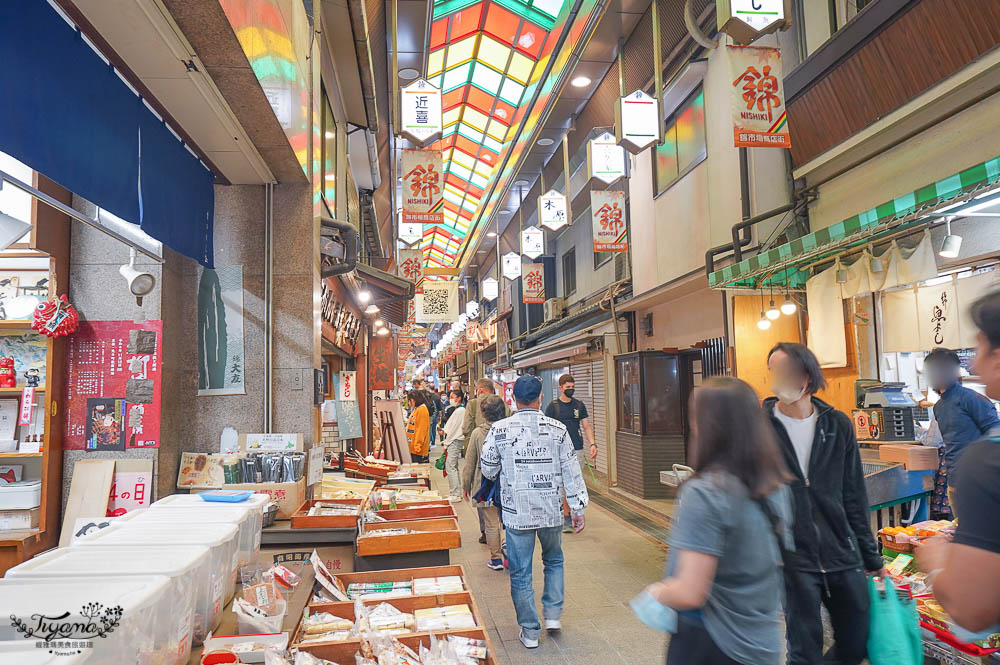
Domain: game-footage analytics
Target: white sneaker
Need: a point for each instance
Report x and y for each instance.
(553, 625)
(527, 641)
(455, 499)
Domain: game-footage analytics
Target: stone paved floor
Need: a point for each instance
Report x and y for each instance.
(606, 565)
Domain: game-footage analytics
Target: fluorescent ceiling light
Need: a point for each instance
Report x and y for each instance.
(491, 234)
(545, 141)
(408, 73)
(580, 81)
(521, 183)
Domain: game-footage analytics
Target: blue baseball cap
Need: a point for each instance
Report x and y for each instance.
(527, 389)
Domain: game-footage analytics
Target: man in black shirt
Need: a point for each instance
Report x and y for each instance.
(573, 414)
(965, 574)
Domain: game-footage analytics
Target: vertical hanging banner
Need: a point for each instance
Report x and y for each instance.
(607, 213)
(552, 212)
(511, 265)
(410, 233)
(221, 353)
(638, 125)
(438, 303)
(606, 159)
(382, 363)
(347, 390)
(532, 242)
(491, 288)
(423, 185)
(411, 266)
(420, 108)
(758, 100)
(533, 287)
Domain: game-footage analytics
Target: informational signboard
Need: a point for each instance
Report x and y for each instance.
(423, 185)
(533, 287)
(532, 242)
(553, 211)
(438, 303)
(420, 108)
(606, 159)
(411, 266)
(511, 265)
(347, 390)
(272, 441)
(382, 362)
(758, 98)
(638, 123)
(491, 288)
(348, 414)
(748, 20)
(113, 385)
(607, 213)
(410, 233)
(131, 486)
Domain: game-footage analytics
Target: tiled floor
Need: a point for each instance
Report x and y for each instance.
(606, 565)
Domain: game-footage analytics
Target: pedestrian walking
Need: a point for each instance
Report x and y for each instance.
(834, 545)
(723, 576)
(572, 413)
(453, 443)
(418, 427)
(493, 409)
(473, 419)
(531, 456)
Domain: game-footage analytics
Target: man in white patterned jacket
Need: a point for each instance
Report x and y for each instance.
(534, 458)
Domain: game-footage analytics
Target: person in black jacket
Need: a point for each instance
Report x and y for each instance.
(834, 545)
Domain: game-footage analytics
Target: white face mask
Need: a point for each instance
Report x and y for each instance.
(455, 402)
(788, 395)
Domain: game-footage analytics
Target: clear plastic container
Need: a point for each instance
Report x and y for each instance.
(24, 652)
(114, 618)
(244, 517)
(257, 502)
(188, 568)
(220, 539)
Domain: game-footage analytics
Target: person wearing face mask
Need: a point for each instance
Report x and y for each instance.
(573, 414)
(963, 415)
(834, 545)
(452, 440)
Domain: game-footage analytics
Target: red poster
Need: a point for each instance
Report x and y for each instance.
(381, 359)
(113, 385)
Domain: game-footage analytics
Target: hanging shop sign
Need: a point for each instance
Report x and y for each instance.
(533, 290)
(532, 242)
(411, 266)
(607, 213)
(491, 288)
(748, 20)
(638, 121)
(422, 187)
(438, 303)
(347, 389)
(345, 325)
(511, 265)
(381, 362)
(410, 232)
(420, 107)
(758, 99)
(606, 159)
(221, 351)
(552, 210)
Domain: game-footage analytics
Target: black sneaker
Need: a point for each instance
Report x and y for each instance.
(482, 539)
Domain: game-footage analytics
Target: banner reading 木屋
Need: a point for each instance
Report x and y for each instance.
(758, 98)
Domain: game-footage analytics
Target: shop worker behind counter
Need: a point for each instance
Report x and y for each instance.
(963, 415)
(834, 545)
(532, 457)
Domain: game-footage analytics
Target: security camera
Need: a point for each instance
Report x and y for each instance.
(140, 283)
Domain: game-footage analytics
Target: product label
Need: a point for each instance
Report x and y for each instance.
(217, 596)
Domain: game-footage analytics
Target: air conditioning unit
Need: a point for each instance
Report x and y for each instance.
(554, 308)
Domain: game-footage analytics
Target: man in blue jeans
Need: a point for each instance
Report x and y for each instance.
(531, 456)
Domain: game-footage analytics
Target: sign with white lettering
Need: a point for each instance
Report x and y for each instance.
(423, 184)
(758, 99)
(607, 213)
(748, 20)
(491, 288)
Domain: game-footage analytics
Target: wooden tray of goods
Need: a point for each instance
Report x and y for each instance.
(328, 514)
(336, 487)
(368, 467)
(427, 535)
(344, 652)
(419, 511)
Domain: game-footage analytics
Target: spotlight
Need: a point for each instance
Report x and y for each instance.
(382, 331)
(764, 323)
(140, 282)
(952, 244)
(491, 234)
(788, 307)
(877, 264)
(379, 323)
(580, 82)
(364, 295)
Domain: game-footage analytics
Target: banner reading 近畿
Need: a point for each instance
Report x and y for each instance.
(758, 99)
(607, 214)
(423, 186)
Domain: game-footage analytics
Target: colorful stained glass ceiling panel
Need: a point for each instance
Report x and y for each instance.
(484, 55)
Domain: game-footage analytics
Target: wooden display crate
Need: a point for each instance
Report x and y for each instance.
(402, 575)
(303, 520)
(343, 652)
(433, 535)
(421, 513)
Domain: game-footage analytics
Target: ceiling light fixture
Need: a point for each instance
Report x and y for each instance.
(788, 307)
(329, 135)
(580, 81)
(521, 183)
(372, 309)
(364, 295)
(773, 312)
(379, 323)
(382, 331)
(952, 244)
(506, 213)
(408, 73)
(545, 141)
(764, 323)
(491, 234)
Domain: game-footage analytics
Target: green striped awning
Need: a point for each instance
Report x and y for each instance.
(784, 265)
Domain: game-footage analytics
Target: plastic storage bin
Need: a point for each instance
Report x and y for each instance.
(21, 495)
(220, 539)
(258, 502)
(188, 568)
(244, 517)
(24, 652)
(93, 605)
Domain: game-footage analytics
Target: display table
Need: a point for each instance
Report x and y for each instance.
(282, 533)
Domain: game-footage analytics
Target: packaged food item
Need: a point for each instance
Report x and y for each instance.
(285, 577)
(424, 586)
(369, 590)
(385, 533)
(263, 596)
(449, 617)
(324, 622)
(468, 647)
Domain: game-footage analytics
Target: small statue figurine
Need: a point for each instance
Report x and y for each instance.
(8, 378)
(32, 377)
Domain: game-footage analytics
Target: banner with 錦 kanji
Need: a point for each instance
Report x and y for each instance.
(758, 99)
(411, 266)
(607, 213)
(533, 283)
(423, 187)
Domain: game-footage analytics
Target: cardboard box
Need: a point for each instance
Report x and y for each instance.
(337, 559)
(17, 520)
(915, 458)
(288, 496)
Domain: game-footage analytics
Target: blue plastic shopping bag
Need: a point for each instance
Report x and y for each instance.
(894, 627)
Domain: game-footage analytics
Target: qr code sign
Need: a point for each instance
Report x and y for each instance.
(436, 301)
